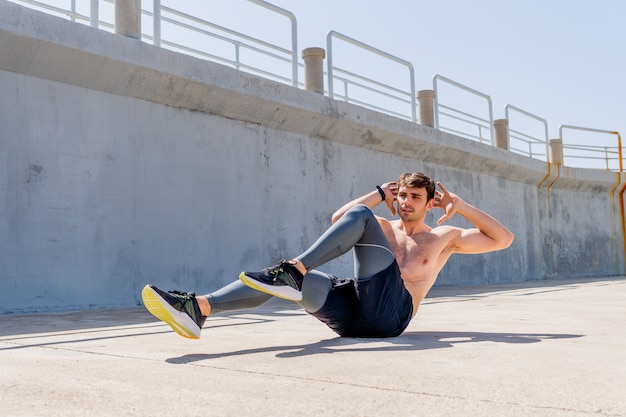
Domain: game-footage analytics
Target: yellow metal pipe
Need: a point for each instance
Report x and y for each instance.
(544, 179)
(621, 192)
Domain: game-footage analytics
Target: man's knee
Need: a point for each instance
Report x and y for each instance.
(360, 210)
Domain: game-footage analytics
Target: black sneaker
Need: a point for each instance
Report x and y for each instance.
(282, 280)
(179, 310)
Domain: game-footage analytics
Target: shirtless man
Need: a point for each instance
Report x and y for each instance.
(396, 264)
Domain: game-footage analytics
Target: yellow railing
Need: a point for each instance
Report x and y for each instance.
(606, 153)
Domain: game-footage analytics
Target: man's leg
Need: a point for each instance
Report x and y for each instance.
(357, 228)
(234, 296)
(238, 296)
(186, 313)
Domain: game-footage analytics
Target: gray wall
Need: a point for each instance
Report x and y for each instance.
(123, 164)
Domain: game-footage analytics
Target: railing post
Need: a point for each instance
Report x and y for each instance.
(156, 22)
(94, 15)
(426, 102)
(556, 151)
(314, 69)
(501, 129)
(128, 18)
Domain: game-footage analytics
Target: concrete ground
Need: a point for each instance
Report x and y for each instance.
(539, 349)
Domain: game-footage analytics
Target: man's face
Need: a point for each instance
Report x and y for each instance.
(413, 203)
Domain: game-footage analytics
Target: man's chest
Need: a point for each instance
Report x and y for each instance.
(418, 255)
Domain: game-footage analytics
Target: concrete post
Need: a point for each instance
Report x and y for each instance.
(314, 69)
(556, 151)
(501, 128)
(128, 18)
(426, 103)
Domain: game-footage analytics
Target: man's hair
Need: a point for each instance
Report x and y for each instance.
(418, 180)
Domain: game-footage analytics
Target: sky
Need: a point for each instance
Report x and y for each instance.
(562, 61)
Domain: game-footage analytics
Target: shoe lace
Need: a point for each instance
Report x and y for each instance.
(183, 298)
(276, 271)
(186, 304)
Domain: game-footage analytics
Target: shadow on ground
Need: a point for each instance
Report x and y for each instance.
(409, 341)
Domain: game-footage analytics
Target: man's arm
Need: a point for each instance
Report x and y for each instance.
(371, 200)
(489, 234)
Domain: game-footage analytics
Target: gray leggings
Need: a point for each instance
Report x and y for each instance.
(357, 228)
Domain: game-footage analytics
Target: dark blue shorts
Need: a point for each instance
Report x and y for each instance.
(378, 307)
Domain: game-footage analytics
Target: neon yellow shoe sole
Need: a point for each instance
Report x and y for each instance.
(180, 322)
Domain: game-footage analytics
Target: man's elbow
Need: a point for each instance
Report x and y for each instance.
(507, 239)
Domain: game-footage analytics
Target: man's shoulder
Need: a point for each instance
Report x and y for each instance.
(446, 228)
(447, 231)
(448, 236)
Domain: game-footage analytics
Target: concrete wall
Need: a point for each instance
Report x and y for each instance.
(123, 164)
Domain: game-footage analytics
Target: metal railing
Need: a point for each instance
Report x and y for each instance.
(609, 155)
(523, 142)
(239, 41)
(350, 79)
(464, 120)
(162, 14)
(71, 12)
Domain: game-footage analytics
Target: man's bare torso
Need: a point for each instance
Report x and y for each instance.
(420, 255)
